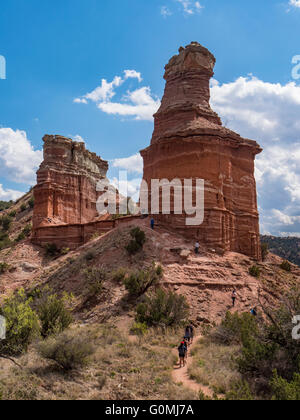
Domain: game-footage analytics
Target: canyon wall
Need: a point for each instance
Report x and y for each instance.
(189, 142)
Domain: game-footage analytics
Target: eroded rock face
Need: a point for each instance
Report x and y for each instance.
(66, 184)
(189, 142)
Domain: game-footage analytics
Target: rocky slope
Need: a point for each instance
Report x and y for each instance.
(206, 280)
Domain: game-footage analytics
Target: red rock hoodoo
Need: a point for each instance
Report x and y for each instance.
(66, 193)
(189, 142)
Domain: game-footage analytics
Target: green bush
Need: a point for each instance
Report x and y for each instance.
(90, 255)
(23, 207)
(139, 329)
(284, 390)
(6, 222)
(52, 250)
(254, 271)
(240, 392)
(139, 282)
(4, 205)
(3, 267)
(21, 324)
(31, 203)
(286, 266)
(24, 234)
(12, 214)
(54, 315)
(264, 251)
(235, 327)
(70, 349)
(95, 279)
(137, 242)
(119, 275)
(162, 309)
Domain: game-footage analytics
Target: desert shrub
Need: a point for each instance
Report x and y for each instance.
(54, 315)
(52, 250)
(70, 349)
(137, 283)
(264, 251)
(6, 222)
(95, 278)
(5, 241)
(21, 324)
(4, 205)
(139, 329)
(90, 255)
(162, 309)
(234, 328)
(12, 214)
(119, 275)
(64, 251)
(137, 242)
(23, 207)
(3, 267)
(254, 271)
(240, 392)
(272, 347)
(284, 390)
(286, 266)
(24, 234)
(31, 203)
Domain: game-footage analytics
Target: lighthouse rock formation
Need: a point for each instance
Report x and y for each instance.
(189, 142)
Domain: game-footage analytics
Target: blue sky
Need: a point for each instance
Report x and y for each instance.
(59, 51)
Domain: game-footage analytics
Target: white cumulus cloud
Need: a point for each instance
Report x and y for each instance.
(139, 103)
(190, 7)
(7, 194)
(295, 3)
(18, 159)
(268, 113)
(132, 164)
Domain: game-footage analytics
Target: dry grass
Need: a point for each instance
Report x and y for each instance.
(213, 365)
(123, 367)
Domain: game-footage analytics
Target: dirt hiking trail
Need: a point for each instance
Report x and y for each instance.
(181, 376)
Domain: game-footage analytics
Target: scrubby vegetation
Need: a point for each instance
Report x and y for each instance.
(21, 324)
(137, 242)
(162, 309)
(264, 250)
(69, 349)
(139, 282)
(262, 357)
(286, 266)
(5, 205)
(254, 271)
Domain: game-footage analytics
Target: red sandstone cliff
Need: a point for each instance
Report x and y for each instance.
(66, 183)
(189, 141)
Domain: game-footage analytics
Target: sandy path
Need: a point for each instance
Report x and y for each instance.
(180, 375)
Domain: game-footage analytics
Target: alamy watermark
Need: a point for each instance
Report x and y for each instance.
(296, 68)
(2, 68)
(179, 197)
(2, 328)
(296, 329)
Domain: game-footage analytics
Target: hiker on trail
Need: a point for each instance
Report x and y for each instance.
(197, 247)
(254, 311)
(191, 332)
(187, 335)
(152, 222)
(234, 296)
(182, 350)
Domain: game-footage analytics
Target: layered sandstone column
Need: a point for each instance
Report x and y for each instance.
(66, 184)
(189, 142)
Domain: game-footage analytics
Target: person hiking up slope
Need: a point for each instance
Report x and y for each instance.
(182, 350)
(234, 297)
